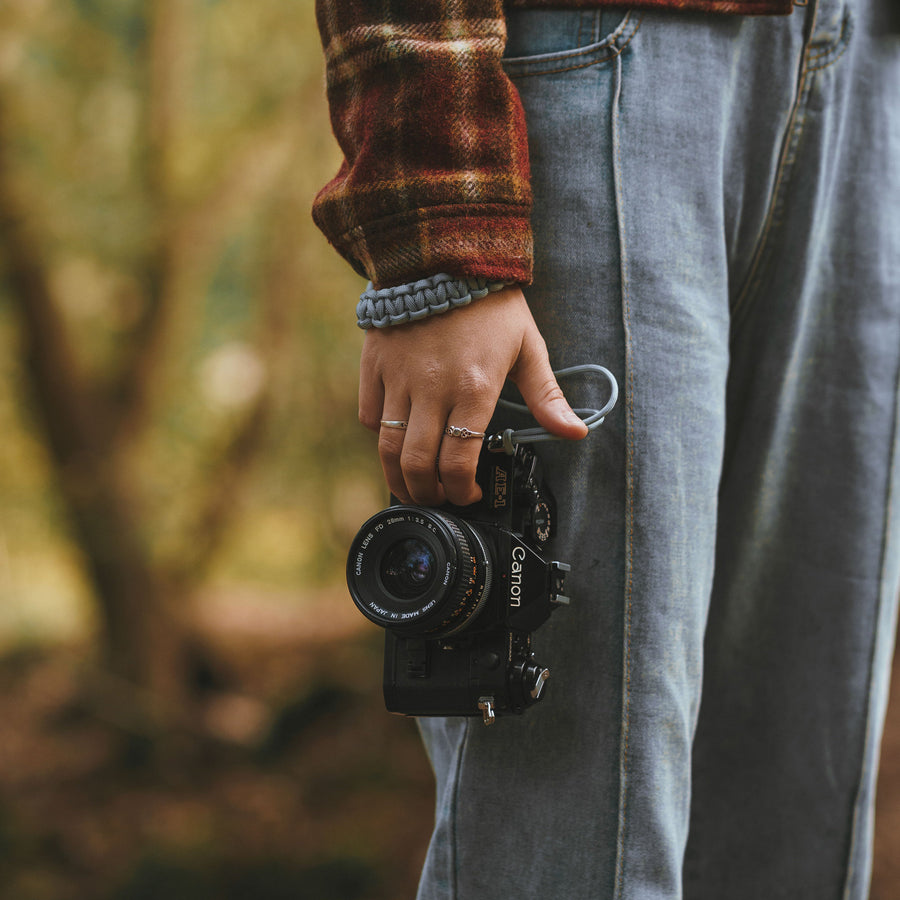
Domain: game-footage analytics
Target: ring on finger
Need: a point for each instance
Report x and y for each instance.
(464, 433)
(394, 423)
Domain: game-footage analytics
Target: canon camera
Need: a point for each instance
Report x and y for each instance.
(459, 591)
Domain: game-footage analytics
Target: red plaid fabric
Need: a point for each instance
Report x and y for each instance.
(435, 175)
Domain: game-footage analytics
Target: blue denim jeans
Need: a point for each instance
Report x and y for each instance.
(717, 221)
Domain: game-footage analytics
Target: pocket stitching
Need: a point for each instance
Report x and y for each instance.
(610, 44)
(831, 53)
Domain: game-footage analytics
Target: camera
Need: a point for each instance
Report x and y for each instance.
(459, 591)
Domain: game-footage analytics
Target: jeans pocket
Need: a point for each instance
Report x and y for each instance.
(543, 41)
(832, 30)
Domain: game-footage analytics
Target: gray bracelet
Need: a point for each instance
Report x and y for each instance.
(428, 297)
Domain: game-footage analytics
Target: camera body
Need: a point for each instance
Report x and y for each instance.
(459, 591)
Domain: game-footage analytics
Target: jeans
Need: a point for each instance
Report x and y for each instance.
(717, 220)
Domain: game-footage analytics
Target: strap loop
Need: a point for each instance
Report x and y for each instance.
(507, 440)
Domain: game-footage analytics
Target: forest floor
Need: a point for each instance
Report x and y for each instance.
(310, 790)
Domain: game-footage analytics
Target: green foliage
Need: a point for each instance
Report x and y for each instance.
(126, 119)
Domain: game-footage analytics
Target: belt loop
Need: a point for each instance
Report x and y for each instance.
(587, 28)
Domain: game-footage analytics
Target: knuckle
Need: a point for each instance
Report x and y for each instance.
(367, 420)
(400, 492)
(549, 391)
(389, 446)
(431, 378)
(456, 469)
(417, 463)
(476, 384)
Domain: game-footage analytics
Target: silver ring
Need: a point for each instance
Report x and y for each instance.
(393, 423)
(464, 433)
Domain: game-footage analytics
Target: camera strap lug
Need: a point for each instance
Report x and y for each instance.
(539, 681)
(486, 705)
(557, 582)
(501, 442)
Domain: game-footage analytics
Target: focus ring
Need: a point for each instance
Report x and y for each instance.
(460, 604)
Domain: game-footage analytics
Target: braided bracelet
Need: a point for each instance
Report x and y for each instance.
(427, 297)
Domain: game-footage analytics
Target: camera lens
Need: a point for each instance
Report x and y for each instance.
(419, 571)
(407, 568)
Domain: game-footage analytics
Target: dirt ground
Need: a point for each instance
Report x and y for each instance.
(311, 792)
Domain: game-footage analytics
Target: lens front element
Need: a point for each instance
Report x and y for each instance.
(418, 571)
(408, 568)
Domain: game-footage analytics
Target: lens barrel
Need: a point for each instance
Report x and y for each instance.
(419, 571)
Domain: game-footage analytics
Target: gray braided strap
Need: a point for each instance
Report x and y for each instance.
(428, 297)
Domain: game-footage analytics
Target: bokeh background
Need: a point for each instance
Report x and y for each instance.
(189, 704)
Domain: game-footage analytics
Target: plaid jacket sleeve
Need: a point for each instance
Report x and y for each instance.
(435, 175)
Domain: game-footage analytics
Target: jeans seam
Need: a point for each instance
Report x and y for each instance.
(882, 581)
(454, 821)
(629, 504)
(788, 157)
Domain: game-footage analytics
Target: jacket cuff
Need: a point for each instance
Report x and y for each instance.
(491, 241)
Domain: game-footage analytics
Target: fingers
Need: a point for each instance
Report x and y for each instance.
(410, 465)
(424, 465)
(377, 406)
(390, 448)
(459, 455)
(371, 396)
(402, 379)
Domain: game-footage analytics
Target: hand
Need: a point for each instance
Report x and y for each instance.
(450, 369)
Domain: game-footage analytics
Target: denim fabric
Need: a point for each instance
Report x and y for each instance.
(718, 222)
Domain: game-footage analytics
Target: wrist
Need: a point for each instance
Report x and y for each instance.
(416, 300)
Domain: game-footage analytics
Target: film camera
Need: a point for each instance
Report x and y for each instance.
(459, 591)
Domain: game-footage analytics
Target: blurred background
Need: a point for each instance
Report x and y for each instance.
(189, 703)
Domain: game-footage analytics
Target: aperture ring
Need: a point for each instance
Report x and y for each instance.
(472, 592)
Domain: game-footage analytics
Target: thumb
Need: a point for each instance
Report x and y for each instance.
(541, 392)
